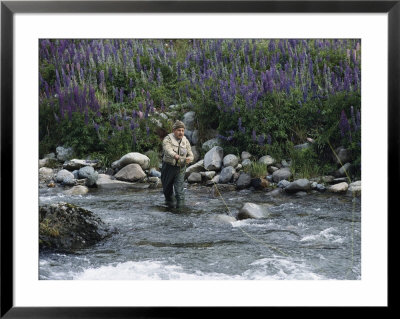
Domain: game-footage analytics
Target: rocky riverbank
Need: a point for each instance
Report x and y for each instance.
(133, 171)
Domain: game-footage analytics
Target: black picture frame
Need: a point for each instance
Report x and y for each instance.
(9, 8)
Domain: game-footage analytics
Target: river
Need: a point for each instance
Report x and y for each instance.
(312, 237)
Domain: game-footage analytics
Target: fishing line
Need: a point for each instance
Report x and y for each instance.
(352, 212)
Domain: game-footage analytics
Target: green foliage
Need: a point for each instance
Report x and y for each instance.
(155, 159)
(256, 170)
(304, 163)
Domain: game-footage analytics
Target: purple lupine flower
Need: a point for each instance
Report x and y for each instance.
(121, 95)
(261, 140)
(147, 130)
(344, 124)
(269, 139)
(254, 136)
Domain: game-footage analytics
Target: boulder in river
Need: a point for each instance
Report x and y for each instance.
(67, 228)
(339, 188)
(251, 210)
(108, 182)
(299, 185)
(77, 190)
(45, 174)
(64, 175)
(131, 173)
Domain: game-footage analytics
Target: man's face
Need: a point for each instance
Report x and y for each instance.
(179, 133)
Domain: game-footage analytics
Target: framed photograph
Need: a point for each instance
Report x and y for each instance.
(196, 155)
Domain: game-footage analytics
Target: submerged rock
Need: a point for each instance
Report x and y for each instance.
(251, 210)
(67, 228)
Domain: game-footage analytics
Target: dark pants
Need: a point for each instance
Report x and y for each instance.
(172, 178)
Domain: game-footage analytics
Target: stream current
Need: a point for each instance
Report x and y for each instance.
(312, 237)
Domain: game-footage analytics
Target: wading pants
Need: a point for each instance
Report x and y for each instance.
(172, 178)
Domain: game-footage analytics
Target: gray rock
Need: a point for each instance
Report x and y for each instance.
(92, 179)
(285, 163)
(64, 153)
(230, 160)
(281, 174)
(188, 134)
(189, 120)
(276, 192)
(155, 182)
(44, 162)
(77, 190)
(298, 185)
(320, 188)
(246, 162)
(245, 155)
(243, 181)
(195, 137)
(131, 173)
(226, 174)
(79, 228)
(355, 188)
(251, 210)
(267, 160)
(196, 168)
(107, 182)
(62, 174)
(272, 169)
(68, 181)
(208, 175)
(76, 174)
(132, 158)
(46, 174)
(196, 154)
(314, 185)
(85, 172)
(194, 178)
(213, 159)
(339, 188)
(341, 172)
(155, 173)
(208, 145)
(76, 164)
(283, 183)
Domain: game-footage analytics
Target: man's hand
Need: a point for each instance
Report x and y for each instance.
(187, 160)
(176, 156)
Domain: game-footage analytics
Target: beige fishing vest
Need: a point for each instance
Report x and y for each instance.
(171, 146)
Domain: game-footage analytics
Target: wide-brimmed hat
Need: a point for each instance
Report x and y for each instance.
(178, 124)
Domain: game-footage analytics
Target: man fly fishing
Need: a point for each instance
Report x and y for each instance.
(177, 154)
